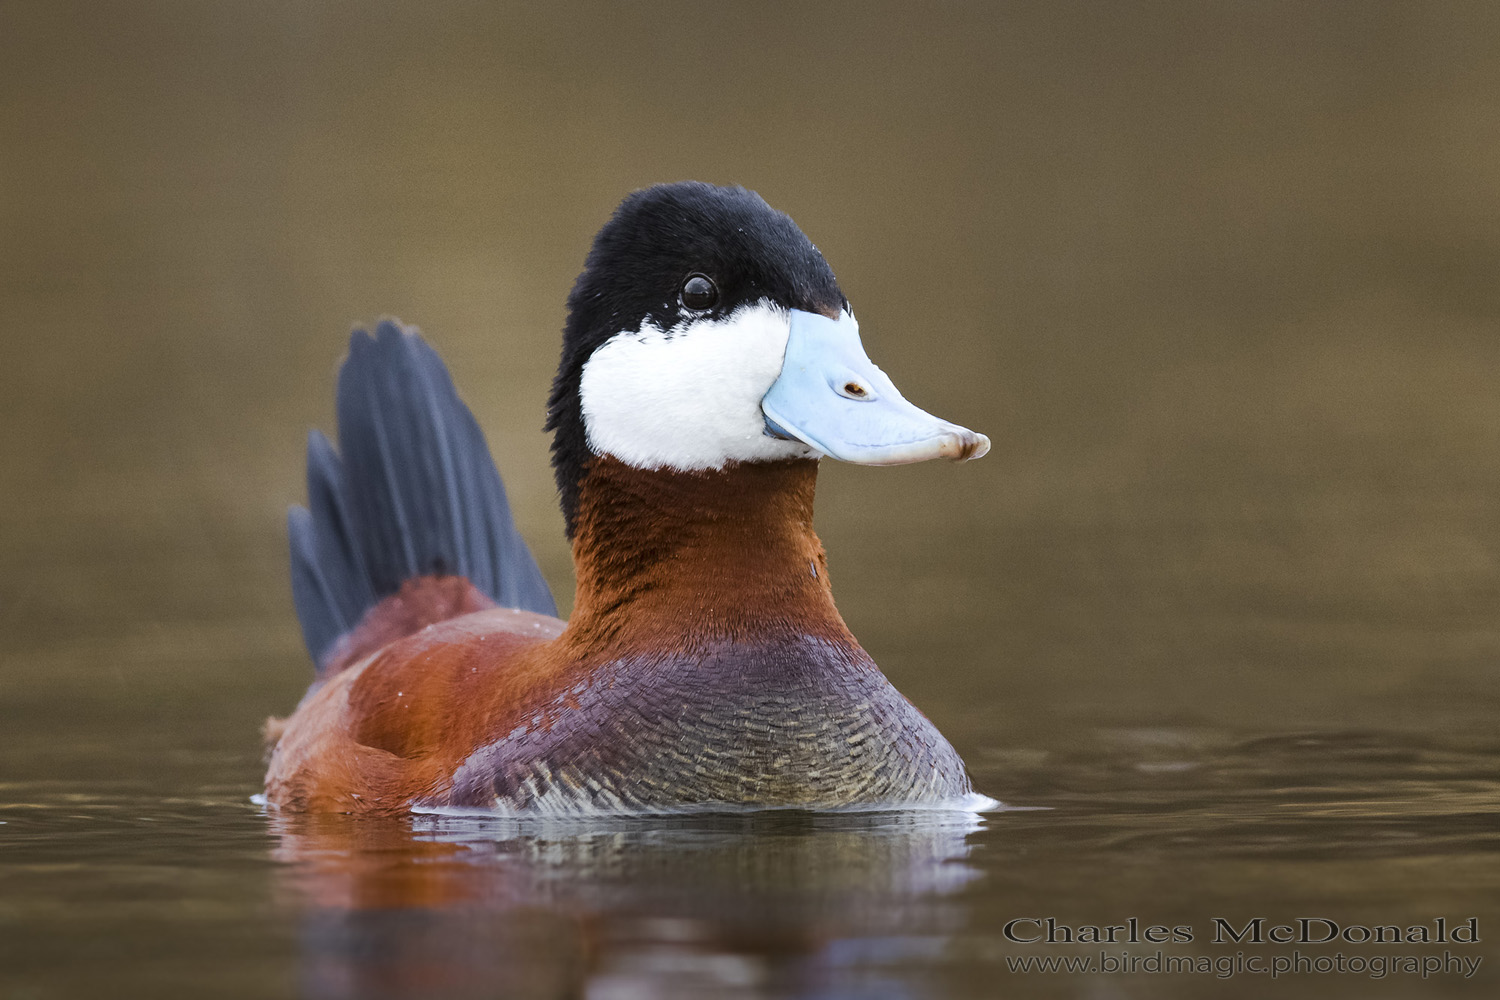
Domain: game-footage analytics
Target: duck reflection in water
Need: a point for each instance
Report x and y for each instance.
(785, 904)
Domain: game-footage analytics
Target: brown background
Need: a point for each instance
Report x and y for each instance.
(1218, 280)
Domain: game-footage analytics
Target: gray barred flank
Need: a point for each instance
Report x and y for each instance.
(804, 722)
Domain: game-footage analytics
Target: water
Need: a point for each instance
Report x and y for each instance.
(1216, 618)
(167, 884)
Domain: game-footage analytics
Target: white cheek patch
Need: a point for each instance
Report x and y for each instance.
(689, 397)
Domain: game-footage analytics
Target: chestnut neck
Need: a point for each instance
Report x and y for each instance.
(663, 557)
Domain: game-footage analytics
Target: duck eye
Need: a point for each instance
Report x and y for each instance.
(854, 390)
(699, 292)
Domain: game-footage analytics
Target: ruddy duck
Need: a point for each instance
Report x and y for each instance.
(709, 361)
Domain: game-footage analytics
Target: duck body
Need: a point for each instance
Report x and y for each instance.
(676, 684)
(705, 665)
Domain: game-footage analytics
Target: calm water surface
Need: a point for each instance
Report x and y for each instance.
(1219, 616)
(134, 864)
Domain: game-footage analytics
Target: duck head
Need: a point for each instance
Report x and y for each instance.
(705, 330)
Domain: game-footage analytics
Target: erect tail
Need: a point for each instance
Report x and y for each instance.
(411, 493)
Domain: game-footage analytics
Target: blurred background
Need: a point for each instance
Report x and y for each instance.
(1219, 281)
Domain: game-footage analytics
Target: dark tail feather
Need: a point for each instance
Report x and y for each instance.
(415, 493)
(330, 585)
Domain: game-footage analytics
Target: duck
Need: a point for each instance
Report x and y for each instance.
(709, 361)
